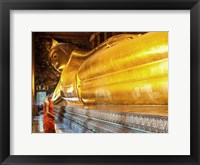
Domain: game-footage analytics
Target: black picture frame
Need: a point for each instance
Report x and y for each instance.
(7, 5)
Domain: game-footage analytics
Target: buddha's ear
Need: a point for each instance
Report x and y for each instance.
(54, 42)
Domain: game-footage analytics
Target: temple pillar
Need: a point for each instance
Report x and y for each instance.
(98, 39)
(105, 36)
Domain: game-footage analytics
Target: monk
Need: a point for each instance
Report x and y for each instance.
(49, 115)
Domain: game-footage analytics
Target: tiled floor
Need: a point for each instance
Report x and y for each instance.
(62, 125)
(37, 126)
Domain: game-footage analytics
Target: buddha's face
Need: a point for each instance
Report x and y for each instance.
(59, 59)
(60, 54)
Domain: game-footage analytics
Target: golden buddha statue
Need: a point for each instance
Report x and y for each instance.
(126, 69)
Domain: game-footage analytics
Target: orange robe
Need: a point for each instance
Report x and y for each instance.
(48, 123)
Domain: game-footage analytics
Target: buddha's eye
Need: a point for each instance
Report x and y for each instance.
(54, 56)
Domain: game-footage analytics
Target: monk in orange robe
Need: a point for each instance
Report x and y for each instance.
(49, 115)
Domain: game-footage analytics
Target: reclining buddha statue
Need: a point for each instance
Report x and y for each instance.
(126, 69)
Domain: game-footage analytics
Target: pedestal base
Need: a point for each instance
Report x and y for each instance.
(132, 119)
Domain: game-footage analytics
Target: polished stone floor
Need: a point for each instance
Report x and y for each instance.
(62, 125)
(37, 125)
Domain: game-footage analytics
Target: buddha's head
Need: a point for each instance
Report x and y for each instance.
(60, 54)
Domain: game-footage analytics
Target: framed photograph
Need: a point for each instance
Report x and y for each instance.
(101, 82)
(94, 94)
